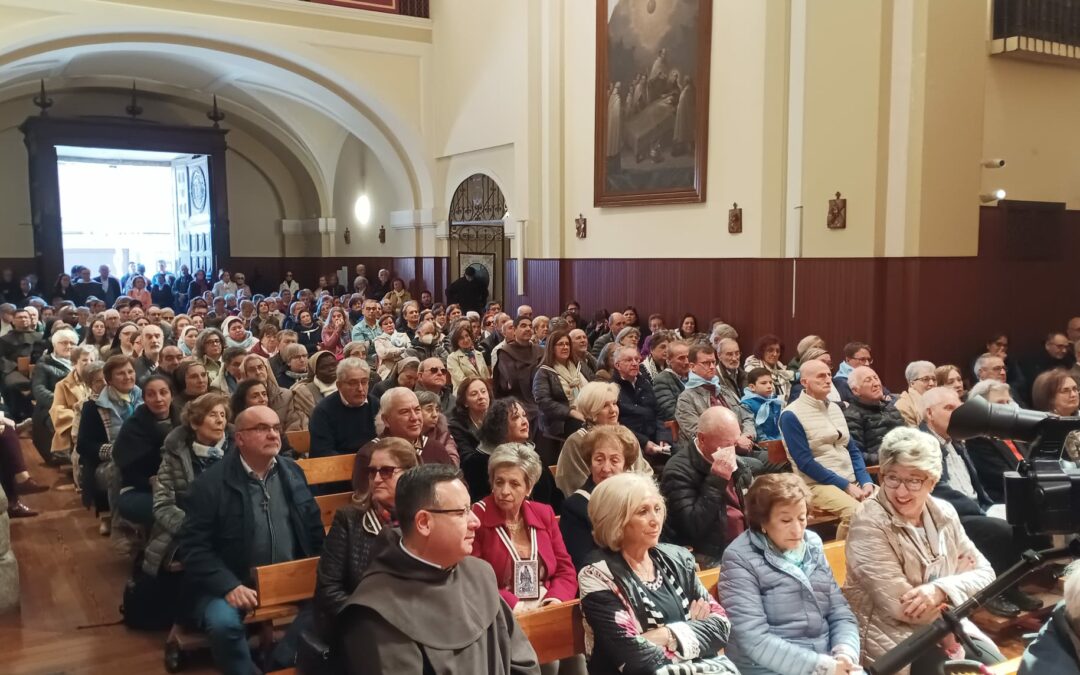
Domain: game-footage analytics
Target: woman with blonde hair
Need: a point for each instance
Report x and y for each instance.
(257, 368)
(598, 404)
(645, 609)
(69, 395)
(355, 537)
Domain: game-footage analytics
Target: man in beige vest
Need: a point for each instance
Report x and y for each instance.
(821, 449)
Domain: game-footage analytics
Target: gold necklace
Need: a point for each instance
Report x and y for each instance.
(514, 526)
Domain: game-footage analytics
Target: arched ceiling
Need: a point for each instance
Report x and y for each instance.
(284, 110)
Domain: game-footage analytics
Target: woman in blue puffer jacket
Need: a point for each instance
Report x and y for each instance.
(787, 613)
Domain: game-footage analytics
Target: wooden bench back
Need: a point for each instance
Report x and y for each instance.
(835, 554)
(300, 441)
(286, 583)
(321, 470)
(329, 504)
(777, 451)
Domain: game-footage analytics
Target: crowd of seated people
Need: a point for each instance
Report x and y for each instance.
(515, 461)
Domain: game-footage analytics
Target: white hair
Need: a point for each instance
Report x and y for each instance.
(64, 333)
(905, 446)
(913, 370)
(386, 401)
(722, 331)
(517, 455)
(980, 362)
(985, 388)
(936, 396)
(351, 363)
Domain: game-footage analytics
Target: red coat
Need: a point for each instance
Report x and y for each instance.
(561, 581)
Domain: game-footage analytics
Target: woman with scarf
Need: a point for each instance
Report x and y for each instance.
(390, 345)
(464, 360)
(236, 335)
(307, 331)
(203, 437)
(397, 296)
(102, 418)
(295, 358)
(556, 385)
(787, 612)
(335, 333)
(356, 535)
(598, 403)
(70, 393)
(137, 451)
(257, 368)
(655, 350)
(187, 338)
(768, 354)
(208, 349)
(49, 371)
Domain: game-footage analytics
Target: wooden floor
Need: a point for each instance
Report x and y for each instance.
(72, 580)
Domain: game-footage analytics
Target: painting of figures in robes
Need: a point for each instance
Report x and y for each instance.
(652, 101)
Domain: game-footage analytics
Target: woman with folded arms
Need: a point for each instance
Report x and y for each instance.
(645, 609)
(787, 613)
(908, 557)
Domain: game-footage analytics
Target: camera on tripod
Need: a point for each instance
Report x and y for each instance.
(1043, 494)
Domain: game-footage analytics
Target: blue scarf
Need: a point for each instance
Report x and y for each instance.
(696, 380)
(844, 370)
(765, 409)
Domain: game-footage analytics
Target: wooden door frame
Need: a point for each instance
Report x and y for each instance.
(41, 136)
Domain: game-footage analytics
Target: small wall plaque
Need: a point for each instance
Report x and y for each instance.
(734, 219)
(837, 218)
(581, 223)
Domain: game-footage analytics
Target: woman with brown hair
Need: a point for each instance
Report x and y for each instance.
(354, 537)
(465, 359)
(1055, 392)
(555, 388)
(764, 578)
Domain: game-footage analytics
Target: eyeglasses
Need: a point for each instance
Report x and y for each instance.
(263, 429)
(926, 378)
(453, 512)
(384, 472)
(865, 360)
(212, 341)
(434, 370)
(913, 484)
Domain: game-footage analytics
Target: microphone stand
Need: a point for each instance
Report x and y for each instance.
(927, 637)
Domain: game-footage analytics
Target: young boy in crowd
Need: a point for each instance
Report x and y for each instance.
(760, 399)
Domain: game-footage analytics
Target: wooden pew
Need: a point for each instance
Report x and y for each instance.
(1006, 667)
(329, 504)
(300, 441)
(22, 364)
(777, 451)
(327, 469)
(835, 554)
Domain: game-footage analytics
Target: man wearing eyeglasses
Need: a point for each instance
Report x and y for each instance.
(402, 417)
(433, 377)
(368, 329)
(251, 508)
(855, 354)
(425, 604)
(341, 424)
(983, 521)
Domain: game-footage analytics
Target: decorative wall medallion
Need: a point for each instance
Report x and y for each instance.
(837, 218)
(198, 189)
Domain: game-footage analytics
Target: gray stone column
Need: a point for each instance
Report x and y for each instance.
(9, 568)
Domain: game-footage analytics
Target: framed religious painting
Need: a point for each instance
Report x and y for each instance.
(652, 101)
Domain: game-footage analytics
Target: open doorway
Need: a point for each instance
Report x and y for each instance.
(133, 207)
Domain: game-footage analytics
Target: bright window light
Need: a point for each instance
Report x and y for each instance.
(362, 209)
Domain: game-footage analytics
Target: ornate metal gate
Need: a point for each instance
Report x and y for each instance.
(476, 232)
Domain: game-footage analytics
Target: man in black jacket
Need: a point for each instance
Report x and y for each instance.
(21, 341)
(701, 486)
(870, 413)
(637, 402)
(961, 487)
(341, 424)
(468, 291)
(110, 285)
(251, 508)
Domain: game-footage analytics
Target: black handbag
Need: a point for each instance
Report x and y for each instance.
(150, 602)
(315, 657)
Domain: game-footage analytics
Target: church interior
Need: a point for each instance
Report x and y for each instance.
(895, 173)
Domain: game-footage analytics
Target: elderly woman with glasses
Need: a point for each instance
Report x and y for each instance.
(209, 347)
(787, 613)
(920, 378)
(202, 438)
(598, 403)
(645, 609)
(520, 538)
(356, 535)
(908, 557)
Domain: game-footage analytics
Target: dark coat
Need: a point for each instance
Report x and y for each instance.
(216, 538)
(697, 501)
(137, 449)
(964, 505)
(111, 290)
(552, 402)
(637, 410)
(666, 387)
(47, 374)
(465, 435)
(992, 458)
(337, 429)
(20, 343)
(1053, 650)
(514, 373)
(576, 526)
(309, 337)
(868, 424)
(354, 539)
(471, 294)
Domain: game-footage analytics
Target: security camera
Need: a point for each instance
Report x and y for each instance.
(993, 163)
